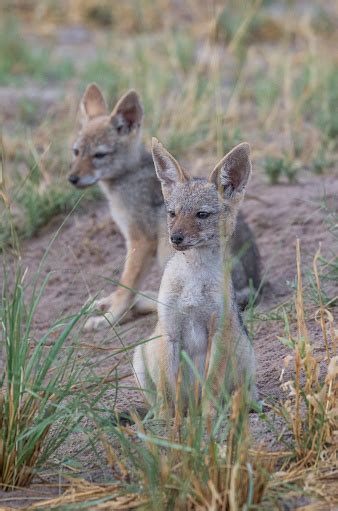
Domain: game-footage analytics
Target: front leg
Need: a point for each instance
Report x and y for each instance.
(139, 257)
(172, 361)
(163, 361)
(166, 377)
(155, 366)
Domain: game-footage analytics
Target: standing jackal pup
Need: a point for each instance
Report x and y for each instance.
(108, 150)
(197, 311)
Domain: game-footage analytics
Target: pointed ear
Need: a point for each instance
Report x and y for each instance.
(92, 103)
(167, 168)
(232, 173)
(127, 113)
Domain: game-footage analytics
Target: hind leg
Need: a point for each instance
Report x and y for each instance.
(146, 303)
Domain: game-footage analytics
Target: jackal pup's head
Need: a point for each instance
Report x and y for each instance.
(108, 143)
(195, 207)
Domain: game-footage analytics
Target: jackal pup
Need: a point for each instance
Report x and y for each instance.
(108, 150)
(197, 311)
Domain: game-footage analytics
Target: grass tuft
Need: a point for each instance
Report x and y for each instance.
(35, 386)
(277, 167)
(310, 410)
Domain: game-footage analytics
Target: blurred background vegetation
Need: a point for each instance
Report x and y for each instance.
(210, 73)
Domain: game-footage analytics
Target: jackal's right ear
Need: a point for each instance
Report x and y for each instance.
(92, 103)
(233, 172)
(168, 170)
(127, 114)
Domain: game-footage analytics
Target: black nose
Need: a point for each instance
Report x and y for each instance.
(177, 238)
(73, 179)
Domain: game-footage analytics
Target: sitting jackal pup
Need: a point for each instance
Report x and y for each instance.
(196, 304)
(108, 150)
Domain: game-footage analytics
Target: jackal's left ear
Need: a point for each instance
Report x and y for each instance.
(127, 113)
(168, 170)
(92, 103)
(232, 173)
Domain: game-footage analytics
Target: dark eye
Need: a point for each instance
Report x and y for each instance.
(75, 151)
(171, 213)
(202, 214)
(99, 156)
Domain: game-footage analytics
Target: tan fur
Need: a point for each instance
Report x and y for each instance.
(108, 151)
(196, 304)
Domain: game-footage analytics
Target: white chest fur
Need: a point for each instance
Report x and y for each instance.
(190, 294)
(117, 208)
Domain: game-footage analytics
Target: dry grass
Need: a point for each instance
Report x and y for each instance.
(100, 497)
(311, 409)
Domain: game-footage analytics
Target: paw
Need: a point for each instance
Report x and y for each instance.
(97, 322)
(116, 312)
(103, 304)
